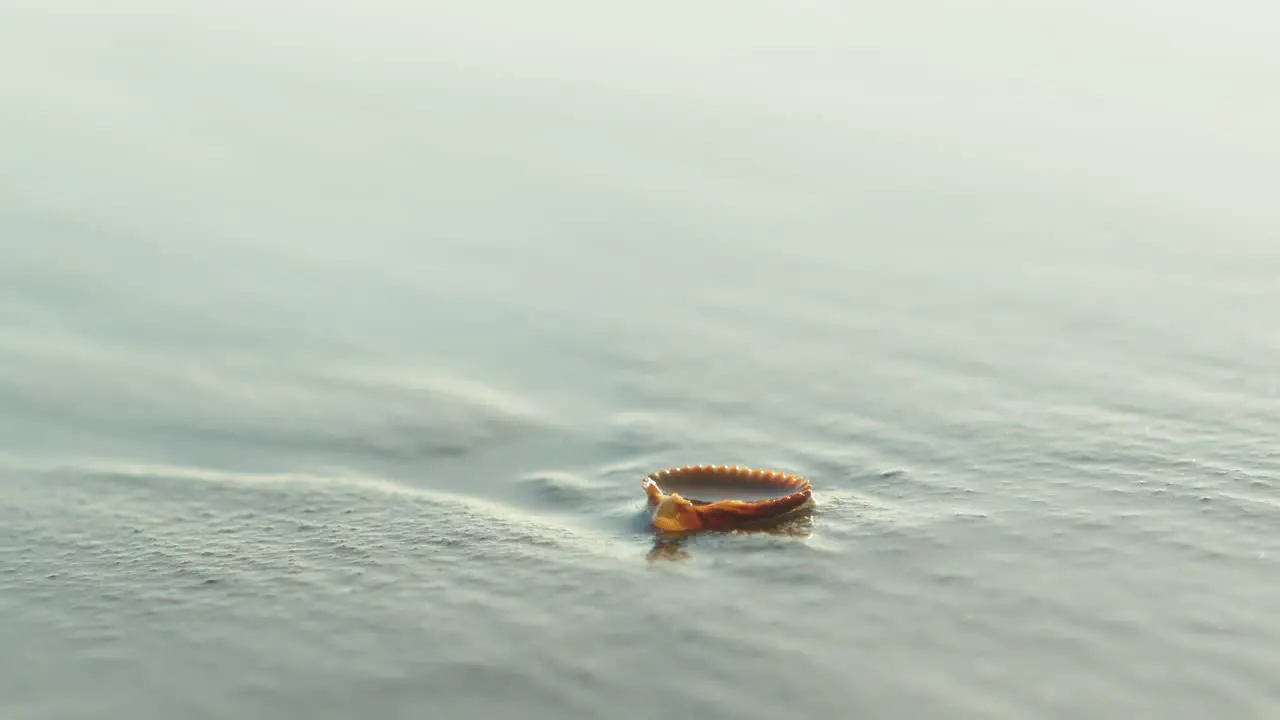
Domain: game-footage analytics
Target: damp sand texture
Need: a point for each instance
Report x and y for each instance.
(335, 344)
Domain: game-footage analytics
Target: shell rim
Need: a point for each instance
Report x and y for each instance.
(801, 486)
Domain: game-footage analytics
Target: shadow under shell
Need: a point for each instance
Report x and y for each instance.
(678, 546)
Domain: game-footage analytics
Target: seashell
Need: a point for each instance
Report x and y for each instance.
(680, 498)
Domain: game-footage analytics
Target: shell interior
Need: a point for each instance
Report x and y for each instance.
(705, 484)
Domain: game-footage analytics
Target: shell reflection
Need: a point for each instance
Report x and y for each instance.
(670, 547)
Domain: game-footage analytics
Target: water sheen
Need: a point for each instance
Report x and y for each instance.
(335, 343)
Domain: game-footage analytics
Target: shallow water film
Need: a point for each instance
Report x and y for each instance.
(337, 339)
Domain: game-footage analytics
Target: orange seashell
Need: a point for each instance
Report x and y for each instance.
(675, 511)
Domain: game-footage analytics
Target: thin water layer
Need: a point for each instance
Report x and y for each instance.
(335, 343)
